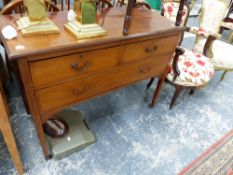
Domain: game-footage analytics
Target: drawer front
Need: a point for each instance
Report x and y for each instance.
(137, 51)
(63, 68)
(76, 90)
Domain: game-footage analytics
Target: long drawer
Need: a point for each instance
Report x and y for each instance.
(76, 90)
(54, 70)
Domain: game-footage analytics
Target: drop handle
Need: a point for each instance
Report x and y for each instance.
(74, 66)
(151, 49)
(77, 67)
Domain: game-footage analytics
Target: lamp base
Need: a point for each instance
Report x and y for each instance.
(33, 28)
(84, 31)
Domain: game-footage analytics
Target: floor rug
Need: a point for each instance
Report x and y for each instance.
(217, 160)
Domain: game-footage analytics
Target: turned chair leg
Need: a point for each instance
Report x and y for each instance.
(9, 71)
(150, 83)
(223, 75)
(176, 94)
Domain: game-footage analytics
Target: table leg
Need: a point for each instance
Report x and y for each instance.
(11, 145)
(29, 93)
(159, 87)
(7, 133)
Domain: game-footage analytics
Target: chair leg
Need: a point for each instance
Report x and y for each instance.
(221, 30)
(176, 94)
(150, 83)
(223, 75)
(191, 91)
(193, 3)
(230, 39)
(9, 71)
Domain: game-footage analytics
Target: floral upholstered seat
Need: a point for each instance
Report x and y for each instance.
(171, 9)
(189, 69)
(195, 70)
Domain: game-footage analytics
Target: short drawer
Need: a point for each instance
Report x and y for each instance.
(74, 91)
(140, 50)
(62, 68)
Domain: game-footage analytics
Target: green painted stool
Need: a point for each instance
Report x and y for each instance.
(155, 4)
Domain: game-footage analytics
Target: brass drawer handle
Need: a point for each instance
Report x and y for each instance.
(76, 67)
(151, 49)
(79, 91)
(80, 68)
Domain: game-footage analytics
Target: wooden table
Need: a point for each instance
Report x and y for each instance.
(57, 71)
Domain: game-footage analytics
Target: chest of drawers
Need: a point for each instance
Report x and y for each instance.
(57, 71)
(62, 81)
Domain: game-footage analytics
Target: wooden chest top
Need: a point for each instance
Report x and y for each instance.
(145, 24)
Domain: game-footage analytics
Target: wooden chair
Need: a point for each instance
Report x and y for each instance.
(66, 4)
(189, 69)
(101, 4)
(17, 6)
(5, 2)
(63, 5)
(124, 2)
(7, 132)
(139, 3)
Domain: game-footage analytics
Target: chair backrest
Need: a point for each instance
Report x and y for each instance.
(17, 6)
(170, 10)
(121, 3)
(101, 4)
(230, 11)
(212, 14)
(62, 4)
(5, 2)
(66, 4)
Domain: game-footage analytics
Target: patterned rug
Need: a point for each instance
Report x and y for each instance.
(217, 160)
